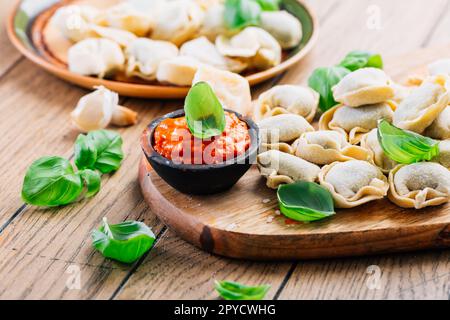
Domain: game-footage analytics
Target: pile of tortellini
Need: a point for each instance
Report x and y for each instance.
(344, 155)
(168, 40)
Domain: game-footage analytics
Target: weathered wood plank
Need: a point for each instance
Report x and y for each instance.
(8, 53)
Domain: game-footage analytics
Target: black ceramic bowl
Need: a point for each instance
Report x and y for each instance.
(200, 178)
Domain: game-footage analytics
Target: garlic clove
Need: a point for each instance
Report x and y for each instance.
(123, 117)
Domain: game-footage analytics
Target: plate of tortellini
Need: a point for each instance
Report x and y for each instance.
(153, 48)
(381, 139)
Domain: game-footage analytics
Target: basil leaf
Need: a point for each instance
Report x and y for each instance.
(305, 201)
(269, 5)
(323, 80)
(241, 13)
(236, 291)
(125, 242)
(405, 146)
(204, 113)
(85, 152)
(362, 59)
(92, 180)
(51, 182)
(104, 146)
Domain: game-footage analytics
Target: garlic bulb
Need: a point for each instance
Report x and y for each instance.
(98, 109)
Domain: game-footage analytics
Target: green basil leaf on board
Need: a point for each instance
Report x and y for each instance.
(235, 291)
(204, 113)
(104, 146)
(85, 152)
(92, 180)
(323, 80)
(125, 242)
(305, 201)
(51, 182)
(269, 5)
(362, 59)
(405, 146)
(241, 13)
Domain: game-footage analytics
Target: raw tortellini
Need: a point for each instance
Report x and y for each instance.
(423, 105)
(95, 57)
(283, 168)
(75, 21)
(178, 21)
(205, 52)
(179, 71)
(214, 22)
(419, 185)
(440, 67)
(353, 183)
(444, 154)
(364, 86)
(232, 90)
(276, 132)
(283, 26)
(281, 99)
(145, 55)
(354, 122)
(127, 17)
(326, 147)
(440, 128)
(252, 44)
(370, 142)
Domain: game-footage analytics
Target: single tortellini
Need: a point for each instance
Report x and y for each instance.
(326, 147)
(144, 56)
(444, 154)
(283, 26)
(355, 122)
(205, 51)
(419, 185)
(281, 99)
(283, 168)
(74, 21)
(370, 142)
(440, 67)
(279, 131)
(440, 128)
(179, 71)
(257, 46)
(232, 90)
(178, 21)
(127, 17)
(423, 105)
(353, 183)
(214, 22)
(96, 57)
(364, 86)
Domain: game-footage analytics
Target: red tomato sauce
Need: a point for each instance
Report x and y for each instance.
(174, 141)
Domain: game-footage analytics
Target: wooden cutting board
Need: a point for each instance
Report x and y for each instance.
(244, 222)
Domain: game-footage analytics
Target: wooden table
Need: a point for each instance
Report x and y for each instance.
(42, 252)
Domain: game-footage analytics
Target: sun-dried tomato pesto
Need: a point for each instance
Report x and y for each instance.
(174, 141)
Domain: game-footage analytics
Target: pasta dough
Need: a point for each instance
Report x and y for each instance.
(281, 99)
(145, 55)
(444, 154)
(282, 168)
(364, 86)
(277, 131)
(232, 90)
(95, 57)
(283, 26)
(419, 185)
(423, 105)
(326, 147)
(354, 122)
(370, 142)
(353, 183)
(440, 128)
(179, 71)
(440, 67)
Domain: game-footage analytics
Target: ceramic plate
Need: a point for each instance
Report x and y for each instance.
(23, 35)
